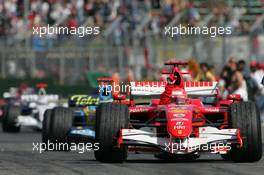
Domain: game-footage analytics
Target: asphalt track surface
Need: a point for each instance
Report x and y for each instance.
(17, 157)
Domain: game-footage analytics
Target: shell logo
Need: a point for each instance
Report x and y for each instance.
(179, 131)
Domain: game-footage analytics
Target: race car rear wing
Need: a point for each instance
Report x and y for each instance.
(37, 98)
(157, 88)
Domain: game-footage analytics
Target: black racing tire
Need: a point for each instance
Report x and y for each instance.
(110, 118)
(61, 123)
(46, 126)
(10, 119)
(246, 117)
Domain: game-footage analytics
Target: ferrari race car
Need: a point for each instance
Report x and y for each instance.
(27, 109)
(187, 119)
(181, 121)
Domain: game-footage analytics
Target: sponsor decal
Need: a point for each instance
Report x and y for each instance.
(180, 118)
(149, 84)
(177, 93)
(179, 123)
(212, 109)
(179, 128)
(85, 100)
(178, 110)
(139, 109)
(178, 115)
(86, 132)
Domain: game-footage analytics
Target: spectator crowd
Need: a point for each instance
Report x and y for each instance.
(16, 19)
(237, 76)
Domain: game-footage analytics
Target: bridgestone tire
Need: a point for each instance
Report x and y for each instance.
(10, 119)
(246, 117)
(110, 118)
(61, 123)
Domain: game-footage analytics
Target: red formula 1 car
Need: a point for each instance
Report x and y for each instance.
(184, 120)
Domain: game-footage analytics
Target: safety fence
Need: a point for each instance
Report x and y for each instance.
(70, 64)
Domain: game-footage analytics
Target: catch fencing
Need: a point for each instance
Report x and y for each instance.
(69, 61)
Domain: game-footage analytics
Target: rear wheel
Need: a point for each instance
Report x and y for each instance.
(46, 129)
(110, 118)
(10, 119)
(61, 123)
(245, 116)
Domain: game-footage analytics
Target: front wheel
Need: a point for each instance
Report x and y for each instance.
(110, 118)
(245, 116)
(10, 119)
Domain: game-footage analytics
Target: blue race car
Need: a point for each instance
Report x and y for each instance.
(76, 123)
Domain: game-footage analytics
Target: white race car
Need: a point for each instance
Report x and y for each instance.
(27, 110)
